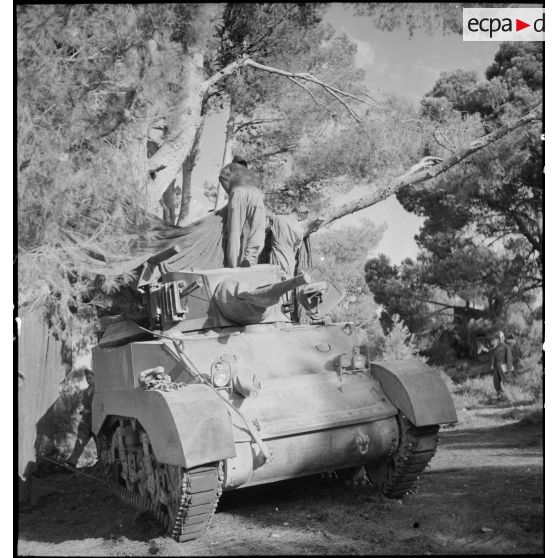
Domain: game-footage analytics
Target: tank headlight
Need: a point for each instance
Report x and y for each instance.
(345, 360)
(221, 374)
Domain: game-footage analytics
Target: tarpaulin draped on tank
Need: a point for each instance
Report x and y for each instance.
(200, 245)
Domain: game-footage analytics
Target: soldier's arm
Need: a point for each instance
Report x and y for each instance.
(234, 229)
(225, 177)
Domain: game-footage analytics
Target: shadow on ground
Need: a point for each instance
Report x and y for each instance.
(82, 508)
(463, 504)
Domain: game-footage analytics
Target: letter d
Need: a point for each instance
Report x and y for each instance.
(538, 26)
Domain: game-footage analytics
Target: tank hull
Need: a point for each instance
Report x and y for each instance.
(312, 452)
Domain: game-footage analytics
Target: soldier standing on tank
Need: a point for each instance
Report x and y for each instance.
(84, 432)
(501, 362)
(286, 238)
(245, 214)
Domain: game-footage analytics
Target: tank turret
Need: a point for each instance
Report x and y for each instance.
(244, 306)
(208, 299)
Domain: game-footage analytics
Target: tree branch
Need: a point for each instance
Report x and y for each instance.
(278, 151)
(426, 169)
(312, 79)
(347, 107)
(226, 71)
(522, 226)
(447, 145)
(256, 123)
(311, 94)
(173, 152)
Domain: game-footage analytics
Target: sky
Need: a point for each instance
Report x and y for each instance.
(394, 63)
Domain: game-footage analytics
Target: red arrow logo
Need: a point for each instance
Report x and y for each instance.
(519, 25)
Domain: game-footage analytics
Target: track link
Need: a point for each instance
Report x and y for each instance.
(192, 503)
(399, 475)
(201, 490)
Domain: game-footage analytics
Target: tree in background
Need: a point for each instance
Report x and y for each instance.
(483, 230)
(342, 253)
(305, 140)
(482, 236)
(281, 36)
(399, 291)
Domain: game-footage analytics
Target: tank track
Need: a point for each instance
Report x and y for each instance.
(399, 475)
(198, 496)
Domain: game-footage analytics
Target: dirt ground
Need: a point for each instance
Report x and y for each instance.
(482, 494)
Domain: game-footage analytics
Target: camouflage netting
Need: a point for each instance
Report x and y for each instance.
(200, 245)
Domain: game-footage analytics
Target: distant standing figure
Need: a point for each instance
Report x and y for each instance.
(245, 214)
(286, 238)
(84, 429)
(501, 362)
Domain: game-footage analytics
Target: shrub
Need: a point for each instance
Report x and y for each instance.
(399, 343)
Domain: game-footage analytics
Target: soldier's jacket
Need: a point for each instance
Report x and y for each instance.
(87, 400)
(235, 174)
(501, 355)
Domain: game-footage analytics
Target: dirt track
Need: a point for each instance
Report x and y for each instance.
(483, 493)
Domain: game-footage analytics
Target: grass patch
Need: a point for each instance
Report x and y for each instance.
(525, 389)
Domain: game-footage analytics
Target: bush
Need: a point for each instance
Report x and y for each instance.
(530, 382)
(398, 344)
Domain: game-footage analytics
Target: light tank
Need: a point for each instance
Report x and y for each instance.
(222, 390)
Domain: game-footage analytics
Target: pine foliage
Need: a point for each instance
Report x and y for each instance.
(92, 80)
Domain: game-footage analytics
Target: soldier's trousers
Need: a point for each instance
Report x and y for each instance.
(245, 226)
(498, 378)
(84, 434)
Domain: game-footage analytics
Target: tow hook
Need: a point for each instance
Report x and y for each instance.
(362, 441)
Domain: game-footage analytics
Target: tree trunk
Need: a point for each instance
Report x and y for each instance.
(227, 156)
(187, 168)
(137, 153)
(168, 203)
(188, 116)
(185, 126)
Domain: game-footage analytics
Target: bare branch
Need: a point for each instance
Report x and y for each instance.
(311, 94)
(278, 151)
(373, 99)
(256, 123)
(449, 146)
(347, 107)
(309, 77)
(174, 150)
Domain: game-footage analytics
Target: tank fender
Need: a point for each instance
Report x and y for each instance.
(187, 427)
(416, 390)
